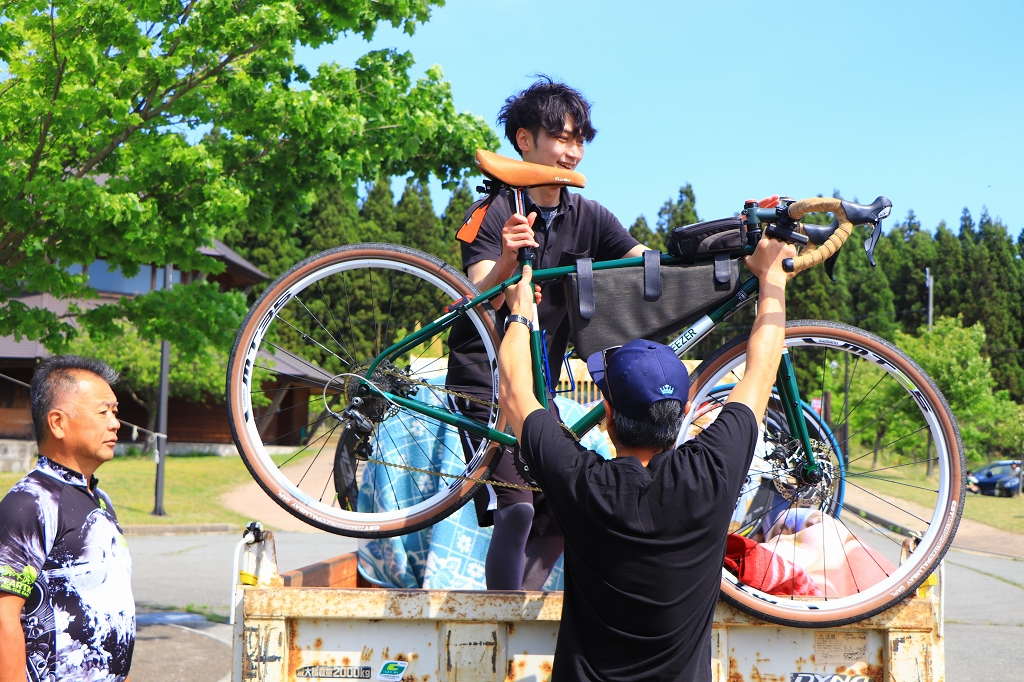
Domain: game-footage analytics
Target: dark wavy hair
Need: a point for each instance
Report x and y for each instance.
(545, 104)
(666, 418)
(54, 377)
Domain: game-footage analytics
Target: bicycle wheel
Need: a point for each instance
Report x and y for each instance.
(891, 494)
(299, 360)
(776, 429)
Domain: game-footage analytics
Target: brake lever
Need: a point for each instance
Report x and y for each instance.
(872, 241)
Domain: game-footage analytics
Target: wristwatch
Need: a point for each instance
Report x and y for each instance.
(519, 318)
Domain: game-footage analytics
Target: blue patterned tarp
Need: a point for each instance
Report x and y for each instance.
(451, 553)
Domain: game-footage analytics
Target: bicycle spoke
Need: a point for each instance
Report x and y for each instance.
(891, 504)
(305, 447)
(317, 320)
(895, 466)
(309, 339)
(883, 447)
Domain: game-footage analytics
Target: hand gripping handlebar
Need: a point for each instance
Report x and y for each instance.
(847, 215)
(818, 255)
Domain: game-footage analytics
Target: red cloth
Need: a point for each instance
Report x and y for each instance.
(765, 570)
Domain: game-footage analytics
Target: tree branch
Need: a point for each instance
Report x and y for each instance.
(45, 131)
(14, 81)
(148, 114)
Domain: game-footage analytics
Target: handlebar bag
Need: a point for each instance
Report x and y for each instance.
(726, 235)
(612, 307)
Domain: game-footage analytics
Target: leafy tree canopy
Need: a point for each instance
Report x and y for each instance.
(137, 132)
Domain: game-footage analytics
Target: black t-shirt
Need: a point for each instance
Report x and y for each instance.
(579, 228)
(62, 550)
(644, 547)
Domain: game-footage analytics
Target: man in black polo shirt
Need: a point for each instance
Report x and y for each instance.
(66, 605)
(547, 124)
(645, 533)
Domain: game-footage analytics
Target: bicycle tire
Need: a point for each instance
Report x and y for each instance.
(285, 323)
(810, 344)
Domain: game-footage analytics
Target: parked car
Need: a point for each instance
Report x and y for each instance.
(996, 478)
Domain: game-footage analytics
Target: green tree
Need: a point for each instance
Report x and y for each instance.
(992, 295)
(990, 423)
(101, 105)
(679, 211)
(870, 303)
(642, 232)
(198, 378)
(416, 224)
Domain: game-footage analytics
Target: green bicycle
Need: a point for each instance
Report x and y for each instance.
(374, 321)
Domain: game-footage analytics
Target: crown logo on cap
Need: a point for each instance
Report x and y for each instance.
(667, 390)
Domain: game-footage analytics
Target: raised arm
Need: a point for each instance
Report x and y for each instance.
(516, 234)
(764, 349)
(515, 369)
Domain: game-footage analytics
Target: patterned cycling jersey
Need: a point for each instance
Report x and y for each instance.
(62, 550)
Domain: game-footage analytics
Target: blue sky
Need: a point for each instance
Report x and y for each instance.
(921, 102)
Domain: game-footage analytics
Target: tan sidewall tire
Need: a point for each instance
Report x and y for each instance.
(953, 506)
(267, 478)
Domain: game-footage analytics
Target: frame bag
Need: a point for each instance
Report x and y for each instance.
(726, 235)
(612, 307)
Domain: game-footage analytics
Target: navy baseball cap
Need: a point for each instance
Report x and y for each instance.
(639, 374)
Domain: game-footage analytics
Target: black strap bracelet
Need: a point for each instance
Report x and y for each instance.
(519, 318)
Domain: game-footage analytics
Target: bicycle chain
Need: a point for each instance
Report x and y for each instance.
(443, 389)
(455, 476)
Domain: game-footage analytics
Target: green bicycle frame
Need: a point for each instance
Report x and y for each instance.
(786, 384)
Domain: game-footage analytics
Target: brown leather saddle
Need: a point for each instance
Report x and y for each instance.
(523, 174)
(517, 175)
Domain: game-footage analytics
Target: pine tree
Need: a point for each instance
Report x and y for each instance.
(678, 212)
(642, 232)
(378, 210)
(416, 224)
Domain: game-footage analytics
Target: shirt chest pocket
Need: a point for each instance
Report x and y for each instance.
(570, 257)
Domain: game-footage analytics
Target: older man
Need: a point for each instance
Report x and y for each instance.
(66, 605)
(645, 533)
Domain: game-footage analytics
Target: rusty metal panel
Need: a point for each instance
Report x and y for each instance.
(263, 654)
(472, 652)
(531, 648)
(404, 604)
(321, 648)
(287, 634)
(782, 654)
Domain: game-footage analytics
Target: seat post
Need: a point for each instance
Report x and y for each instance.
(526, 254)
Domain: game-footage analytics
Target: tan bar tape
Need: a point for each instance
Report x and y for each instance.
(819, 255)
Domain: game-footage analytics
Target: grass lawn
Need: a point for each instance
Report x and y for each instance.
(1004, 513)
(192, 488)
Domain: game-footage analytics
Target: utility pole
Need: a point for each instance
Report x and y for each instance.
(929, 282)
(165, 372)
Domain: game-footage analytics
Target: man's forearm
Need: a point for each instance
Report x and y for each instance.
(764, 349)
(515, 376)
(12, 640)
(768, 335)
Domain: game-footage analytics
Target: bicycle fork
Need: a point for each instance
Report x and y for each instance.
(789, 395)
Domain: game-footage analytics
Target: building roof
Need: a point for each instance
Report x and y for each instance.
(236, 265)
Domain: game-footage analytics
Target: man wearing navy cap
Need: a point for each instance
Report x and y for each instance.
(644, 533)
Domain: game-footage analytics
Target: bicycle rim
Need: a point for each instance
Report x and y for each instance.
(299, 359)
(897, 469)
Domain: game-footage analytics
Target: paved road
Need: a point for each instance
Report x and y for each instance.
(984, 605)
(984, 617)
(181, 570)
(178, 571)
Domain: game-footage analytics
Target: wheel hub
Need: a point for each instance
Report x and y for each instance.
(794, 479)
